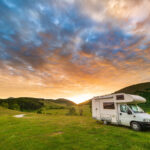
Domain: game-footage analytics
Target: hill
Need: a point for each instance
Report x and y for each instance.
(32, 104)
(134, 89)
(142, 89)
(64, 102)
(87, 102)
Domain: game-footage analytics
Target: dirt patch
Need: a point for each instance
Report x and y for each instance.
(19, 116)
(56, 133)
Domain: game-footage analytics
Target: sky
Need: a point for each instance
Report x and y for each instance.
(73, 49)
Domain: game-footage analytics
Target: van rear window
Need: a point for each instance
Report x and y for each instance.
(120, 97)
(108, 105)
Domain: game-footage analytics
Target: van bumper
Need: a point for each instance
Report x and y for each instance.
(145, 124)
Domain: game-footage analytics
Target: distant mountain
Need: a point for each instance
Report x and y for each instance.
(31, 104)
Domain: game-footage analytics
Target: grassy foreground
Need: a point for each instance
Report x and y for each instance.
(61, 132)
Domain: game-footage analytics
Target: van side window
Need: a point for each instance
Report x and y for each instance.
(108, 105)
(120, 97)
(123, 108)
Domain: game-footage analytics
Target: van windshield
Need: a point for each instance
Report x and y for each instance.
(136, 109)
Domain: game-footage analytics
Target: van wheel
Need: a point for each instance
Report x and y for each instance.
(136, 126)
(105, 122)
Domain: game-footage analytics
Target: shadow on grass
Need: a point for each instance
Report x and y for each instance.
(145, 129)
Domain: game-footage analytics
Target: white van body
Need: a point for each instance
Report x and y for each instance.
(120, 109)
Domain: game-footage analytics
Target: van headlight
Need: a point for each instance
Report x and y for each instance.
(146, 120)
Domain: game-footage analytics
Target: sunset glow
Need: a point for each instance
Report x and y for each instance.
(81, 98)
(73, 49)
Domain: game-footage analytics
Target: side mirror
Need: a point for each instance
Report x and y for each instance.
(129, 112)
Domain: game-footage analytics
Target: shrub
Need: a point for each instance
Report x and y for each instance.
(14, 106)
(90, 105)
(81, 112)
(4, 105)
(26, 104)
(39, 111)
(72, 111)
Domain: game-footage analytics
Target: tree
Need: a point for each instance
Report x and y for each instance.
(72, 111)
(14, 106)
(81, 112)
(4, 104)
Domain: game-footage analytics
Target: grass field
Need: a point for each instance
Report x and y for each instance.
(58, 131)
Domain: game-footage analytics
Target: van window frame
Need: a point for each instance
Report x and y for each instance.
(109, 105)
(128, 108)
(120, 97)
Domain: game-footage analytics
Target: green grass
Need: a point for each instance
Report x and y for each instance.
(61, 132)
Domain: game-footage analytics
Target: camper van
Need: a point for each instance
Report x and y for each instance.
(121, 109)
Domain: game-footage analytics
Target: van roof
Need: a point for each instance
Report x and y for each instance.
(131, 98)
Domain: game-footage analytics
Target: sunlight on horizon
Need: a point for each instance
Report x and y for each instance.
(81, 98)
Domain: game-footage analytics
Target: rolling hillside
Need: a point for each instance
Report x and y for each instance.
(64, 102)
(134, 89)
(142, 89)
(87, 102)
(32, 104)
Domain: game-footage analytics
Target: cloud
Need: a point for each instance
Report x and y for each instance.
(51, 48)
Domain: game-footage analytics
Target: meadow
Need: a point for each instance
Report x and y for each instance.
(57, 131)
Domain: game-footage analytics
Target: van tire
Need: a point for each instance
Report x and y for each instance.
(135, 126)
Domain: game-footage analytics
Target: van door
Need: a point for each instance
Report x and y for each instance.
(124, 117)
(97, 107)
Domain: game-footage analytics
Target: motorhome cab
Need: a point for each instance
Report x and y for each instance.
(120, 109)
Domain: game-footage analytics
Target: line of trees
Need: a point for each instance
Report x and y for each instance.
(22, 104)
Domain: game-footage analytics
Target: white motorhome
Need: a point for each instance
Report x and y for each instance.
(120, 109)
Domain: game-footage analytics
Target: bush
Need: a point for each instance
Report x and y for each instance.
(39, 111)
(4, 105)
(29, 104)
(14, 106)
(81, 112)
(72, 111)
